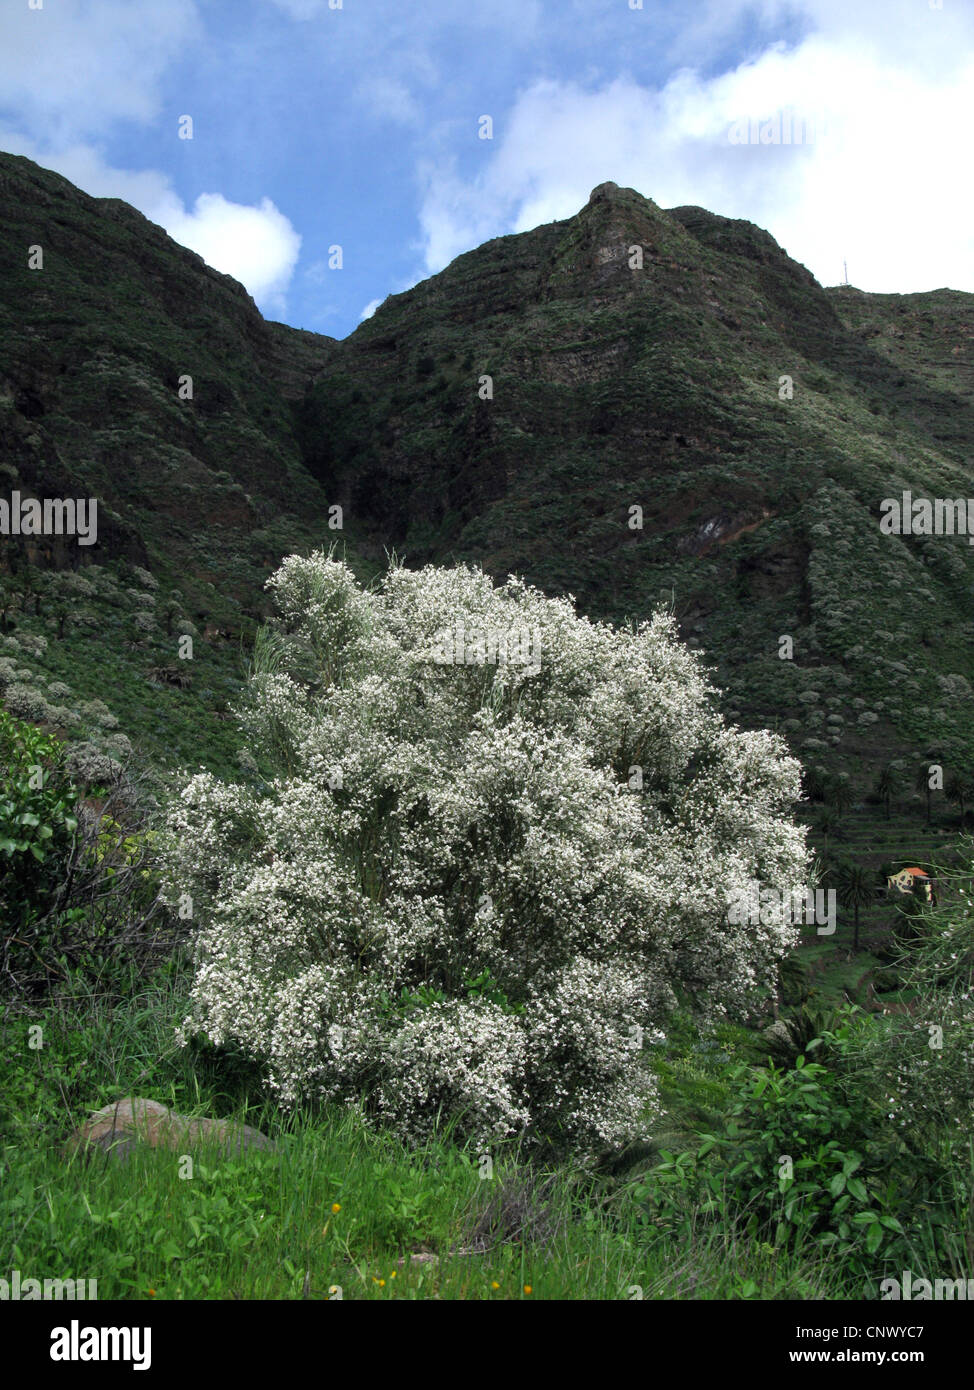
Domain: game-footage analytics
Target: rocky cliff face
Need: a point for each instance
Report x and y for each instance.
(102, 344)
(626, 404)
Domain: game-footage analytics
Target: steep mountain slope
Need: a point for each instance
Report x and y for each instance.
(662, 386)
(197, 498)
(626, 404)
(96, 345)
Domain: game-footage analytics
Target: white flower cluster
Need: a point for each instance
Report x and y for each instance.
(445, 897)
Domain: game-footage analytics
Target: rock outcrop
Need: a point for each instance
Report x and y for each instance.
(119, 1127)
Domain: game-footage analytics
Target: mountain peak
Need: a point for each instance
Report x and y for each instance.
(610, 192)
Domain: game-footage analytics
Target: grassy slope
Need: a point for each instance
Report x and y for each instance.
(262, 1226)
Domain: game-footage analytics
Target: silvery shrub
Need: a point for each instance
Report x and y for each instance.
(474, 890)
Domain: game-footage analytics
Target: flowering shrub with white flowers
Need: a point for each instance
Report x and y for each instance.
(462, 884)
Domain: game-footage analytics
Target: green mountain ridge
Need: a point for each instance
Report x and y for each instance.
(636, 357)
(94, 347)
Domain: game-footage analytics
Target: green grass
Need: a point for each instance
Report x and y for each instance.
(263, 1225)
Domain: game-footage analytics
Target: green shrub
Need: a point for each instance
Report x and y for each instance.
(37, 826)
(76, 890)
(791, 1161)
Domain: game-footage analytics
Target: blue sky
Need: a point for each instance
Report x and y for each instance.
(316, 126)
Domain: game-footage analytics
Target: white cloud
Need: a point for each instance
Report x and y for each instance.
(301, 9)
(388, 98)
(71, 71)
(369, 309)
(256, 245)
(883, 184)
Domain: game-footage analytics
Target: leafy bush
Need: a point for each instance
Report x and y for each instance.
(790, 1159)
(26, 702)
(97, 712)
(33, 644)
(89, 765)
(77, 887)
(37, 826)
(908, 1074)
(62, 716)
(571, 823)
(145, 578)
(876, 1132)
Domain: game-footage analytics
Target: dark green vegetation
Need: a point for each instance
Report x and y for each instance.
(265, 1227)
(809, 1162)
(658, 387)
(207, 492)
(613, 387)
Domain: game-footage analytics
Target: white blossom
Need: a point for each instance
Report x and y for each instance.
(417, 826)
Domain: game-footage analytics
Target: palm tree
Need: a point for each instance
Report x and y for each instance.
(923, 784)
(62, 614)
(854, 888)
(42, 587)
(959, 788)
(171, 612)
(28, 582)
(887, 785)
(840, 796)
(826, 823)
